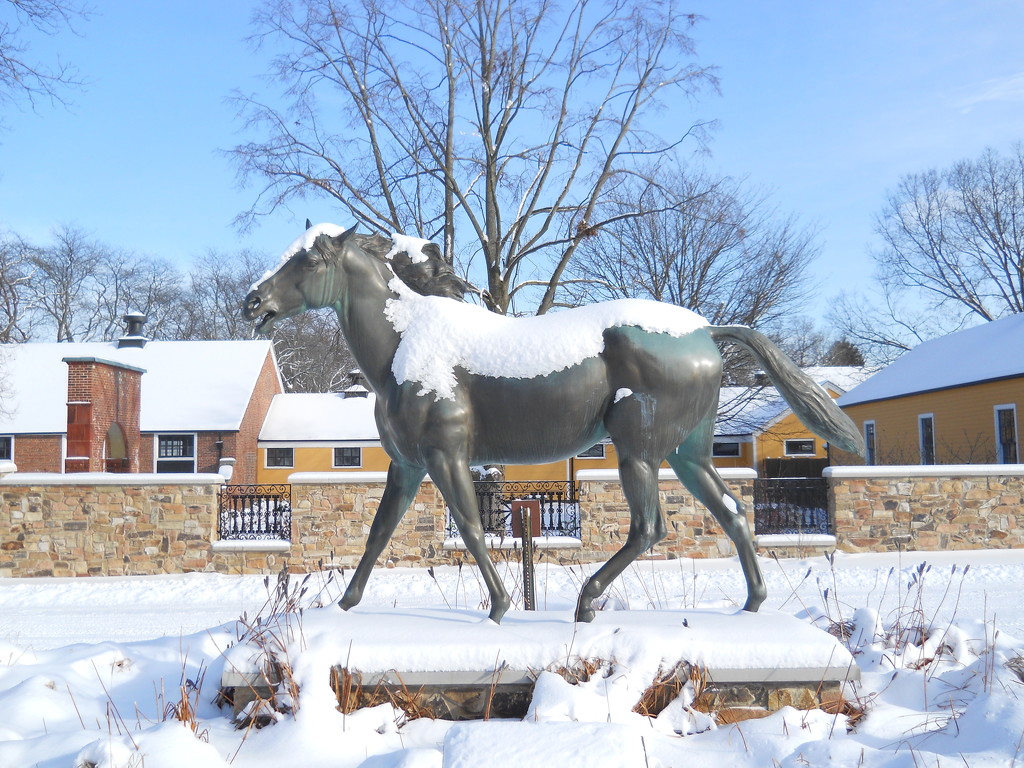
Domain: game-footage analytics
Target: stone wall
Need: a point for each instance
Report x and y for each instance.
(938, 507)
(331, 520)
(102, 524)
(692, 531)
(91, 525)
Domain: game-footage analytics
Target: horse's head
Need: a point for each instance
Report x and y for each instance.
(302, 281)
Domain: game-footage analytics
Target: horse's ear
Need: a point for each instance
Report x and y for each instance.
(352, 229)
(309, 224)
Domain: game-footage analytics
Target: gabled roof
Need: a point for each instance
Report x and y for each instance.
(300, 417)
(751, 410)
(994, 350)
(187, 385)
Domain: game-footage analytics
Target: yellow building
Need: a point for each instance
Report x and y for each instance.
(952, 400)
(755, 430)
(337, 433)
(333, 432)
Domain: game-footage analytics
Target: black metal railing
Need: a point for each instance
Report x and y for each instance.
(556, 501)
(252, 512)
(791, 505)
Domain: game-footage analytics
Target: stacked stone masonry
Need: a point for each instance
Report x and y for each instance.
(105, 530)
(158, 524)
(918, 511)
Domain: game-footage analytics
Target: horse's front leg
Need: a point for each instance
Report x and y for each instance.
(402, 484)
(455, 482)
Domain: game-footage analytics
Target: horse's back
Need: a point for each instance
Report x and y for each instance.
(552, 417)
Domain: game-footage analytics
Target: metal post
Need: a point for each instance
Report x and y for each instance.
(529, 582)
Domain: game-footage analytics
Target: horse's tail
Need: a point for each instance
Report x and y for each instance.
(809, 402)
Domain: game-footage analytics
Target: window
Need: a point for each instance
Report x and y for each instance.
(1006, 434)
(869, 443)
(593, 452)
(6, 448)
(801, 448)
(348, 457)
(725, 449)
(176, 453)
(926, 433)
(280, 457)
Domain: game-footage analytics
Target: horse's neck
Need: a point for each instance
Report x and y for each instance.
(371, 337)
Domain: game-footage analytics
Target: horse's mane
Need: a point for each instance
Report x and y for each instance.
(427, 273)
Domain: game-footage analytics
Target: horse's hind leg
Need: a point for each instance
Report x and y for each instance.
(403, 482)
(694, 469)
(646, 528)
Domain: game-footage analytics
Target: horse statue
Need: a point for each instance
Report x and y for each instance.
(460, 386)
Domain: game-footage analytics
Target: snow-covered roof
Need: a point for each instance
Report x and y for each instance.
(187, 385)
(319, 417)
(750, 409)
(994, 350)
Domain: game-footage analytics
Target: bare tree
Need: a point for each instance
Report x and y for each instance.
(701, 242)
(81, 288)
(65, 284)
(210, 308)
(507, 120)
(126, 283)
(15, 277)
(20, 76)
(953, 255)
(311, 351)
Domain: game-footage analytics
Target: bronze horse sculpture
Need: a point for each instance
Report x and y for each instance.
(459, 386)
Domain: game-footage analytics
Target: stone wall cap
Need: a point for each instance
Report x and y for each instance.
(251, 545)
(515, 543)
(336, 478)
(795, 540)
(612, 475)
(925, 470)
(110, 478)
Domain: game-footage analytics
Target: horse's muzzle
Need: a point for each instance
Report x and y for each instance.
(251, 306)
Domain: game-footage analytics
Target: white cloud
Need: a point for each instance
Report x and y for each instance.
(999, 89)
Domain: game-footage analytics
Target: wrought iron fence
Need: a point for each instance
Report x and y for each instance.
(556, 501)
(791, 505)
(251, 512)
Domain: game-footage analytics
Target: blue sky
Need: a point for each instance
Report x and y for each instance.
(824, 105)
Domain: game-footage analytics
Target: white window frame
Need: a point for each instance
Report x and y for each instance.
(266, 457)
(920, 438)
(581, 457)
(803, 454)
(156, 450)
(870, 445)
(1000, 459)
(11, 439)
(334, 457)
(715, 453)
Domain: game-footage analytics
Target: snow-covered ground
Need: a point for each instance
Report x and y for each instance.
(92, 671)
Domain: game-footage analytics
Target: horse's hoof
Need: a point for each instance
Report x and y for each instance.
(753, 603)
(498, 610)
(584, 613)
(496, 614)
(347, 601)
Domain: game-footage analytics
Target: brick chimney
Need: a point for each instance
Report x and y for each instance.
(104, 402)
